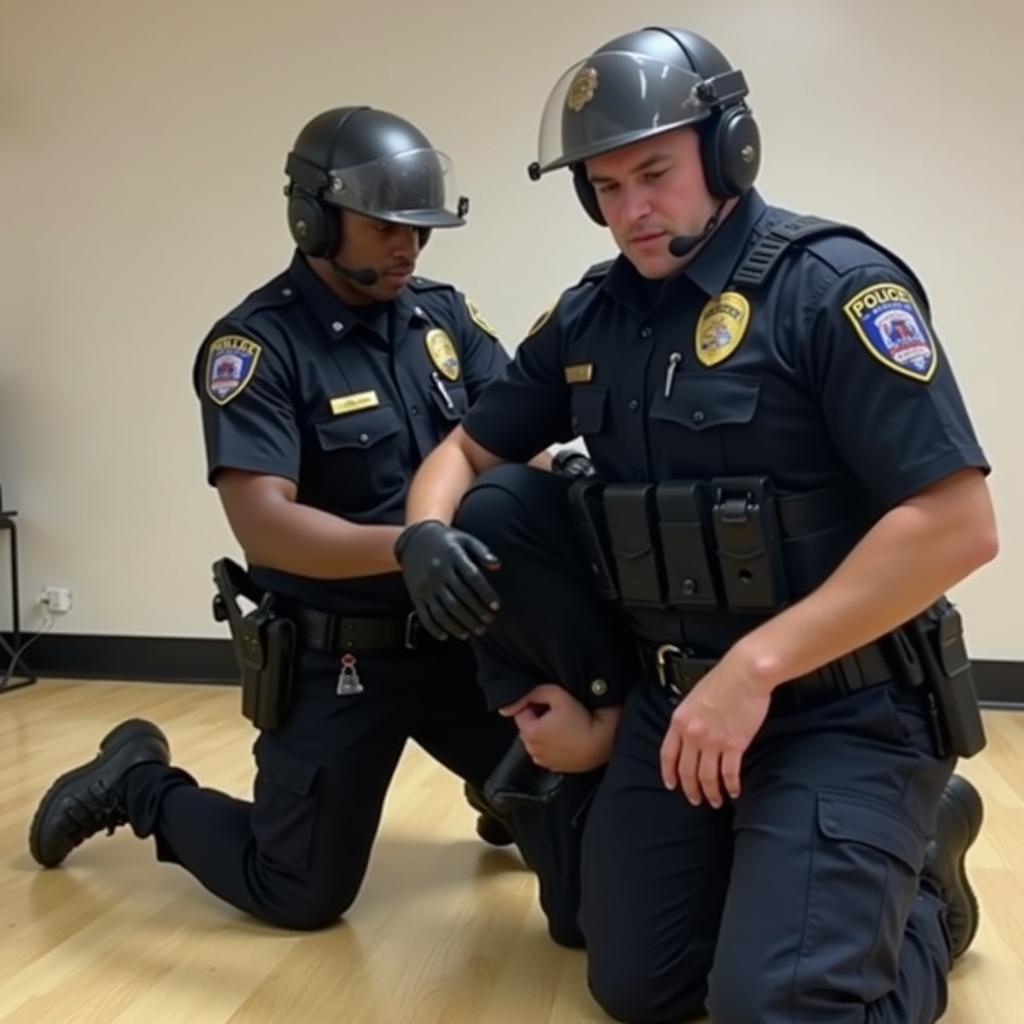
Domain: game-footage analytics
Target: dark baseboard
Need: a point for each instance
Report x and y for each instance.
(203, 660)
(143, 658)
(999, 683)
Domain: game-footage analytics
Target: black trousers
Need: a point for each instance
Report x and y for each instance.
(799, 901)
(296, 854)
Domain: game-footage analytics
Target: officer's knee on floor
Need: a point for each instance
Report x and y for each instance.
(639, 997)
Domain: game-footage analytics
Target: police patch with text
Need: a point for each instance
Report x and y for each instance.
(887, 320)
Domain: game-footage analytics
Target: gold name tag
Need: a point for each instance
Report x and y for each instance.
(353, 403)
(580, 373)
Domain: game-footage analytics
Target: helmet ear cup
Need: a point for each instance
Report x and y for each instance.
(731, 151)
(315, 226)
(586, 194)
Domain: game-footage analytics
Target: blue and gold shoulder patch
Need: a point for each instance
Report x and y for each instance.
(892, 328)
(230, 363)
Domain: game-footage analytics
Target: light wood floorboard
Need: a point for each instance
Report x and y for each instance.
(445, 931)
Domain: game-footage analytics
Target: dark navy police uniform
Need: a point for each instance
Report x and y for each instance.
(346, 403)
(799, 900)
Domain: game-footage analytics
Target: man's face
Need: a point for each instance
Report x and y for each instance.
(651, 192)
(389, 249)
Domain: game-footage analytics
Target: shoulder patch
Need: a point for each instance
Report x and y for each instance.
(230, 363)
(540, 321)
(891, 327)
(480, 320)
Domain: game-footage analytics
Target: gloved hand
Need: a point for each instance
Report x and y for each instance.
(571, 463)
(440, 566)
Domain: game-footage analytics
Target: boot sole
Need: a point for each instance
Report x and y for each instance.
(110, 742)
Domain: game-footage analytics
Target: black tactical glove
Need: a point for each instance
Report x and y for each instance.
(440, 568)
(571, 463)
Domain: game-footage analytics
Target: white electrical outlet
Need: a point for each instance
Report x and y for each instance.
(56, 599)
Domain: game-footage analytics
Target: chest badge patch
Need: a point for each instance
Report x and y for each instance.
(721, 327)
(230, 363)
(442, 352)
(888, 322)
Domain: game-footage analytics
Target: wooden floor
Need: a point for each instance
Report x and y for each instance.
(445, 929)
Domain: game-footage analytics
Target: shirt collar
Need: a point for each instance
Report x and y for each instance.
(714, 264)
(335, 316)
(710, 269)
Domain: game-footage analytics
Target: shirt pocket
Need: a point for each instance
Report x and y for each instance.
(589, 407)
(705, 426)
(358, 462)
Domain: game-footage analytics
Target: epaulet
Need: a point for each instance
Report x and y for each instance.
(807, 232)
(278, 292)
(760, 263)
(597, 272)
(425, 284)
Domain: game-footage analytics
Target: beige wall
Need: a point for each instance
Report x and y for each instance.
(141, 148)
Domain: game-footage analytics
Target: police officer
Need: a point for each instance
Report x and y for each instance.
(789, 478)
(321, 393)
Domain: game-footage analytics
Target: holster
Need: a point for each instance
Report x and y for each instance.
(937, 637)
(263, 642)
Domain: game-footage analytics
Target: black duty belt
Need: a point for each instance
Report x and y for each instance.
(678, 672)
(333, 633)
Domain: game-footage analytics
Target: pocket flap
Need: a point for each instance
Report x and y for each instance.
(712, 400)
(358, 430)
(852, 818)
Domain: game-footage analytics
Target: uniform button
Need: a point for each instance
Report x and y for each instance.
(364, 438)
(414, 409)
(646, 332)
(286, 292)
(698, 416)
(337, 326)
(598, 687)
(638, 474)
(576, 423)
(633, 405)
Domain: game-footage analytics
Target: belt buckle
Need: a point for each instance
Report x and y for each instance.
(660, 658)
(412, 631)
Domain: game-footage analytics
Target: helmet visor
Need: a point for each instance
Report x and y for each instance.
(614, 99)
(416, 187)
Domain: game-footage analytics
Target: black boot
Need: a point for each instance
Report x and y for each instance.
(88, 798)
(517, 780)
(491, 827)
(957, 826)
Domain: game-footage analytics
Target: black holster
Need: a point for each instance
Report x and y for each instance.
(263, 642)
(931, 656)
(938, 639)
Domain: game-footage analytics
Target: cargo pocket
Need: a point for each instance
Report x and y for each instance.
(284, 811)
(864, 876)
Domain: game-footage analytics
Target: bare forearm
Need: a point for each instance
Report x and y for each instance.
(445, 476)
(903, 564)
(308, 542)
